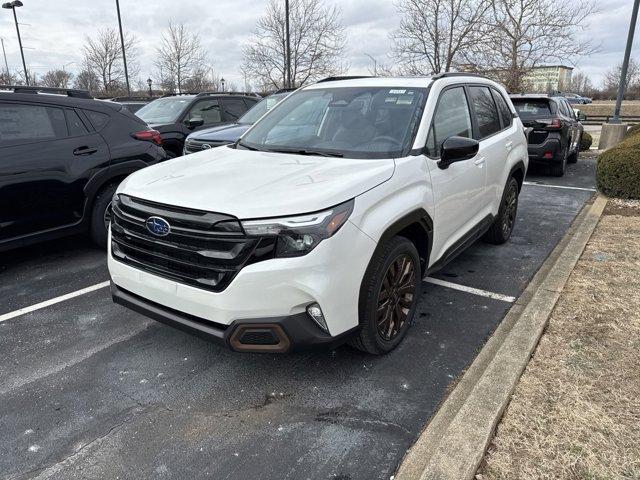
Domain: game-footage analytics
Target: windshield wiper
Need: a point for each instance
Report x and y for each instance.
(247, 147)
(304, 151)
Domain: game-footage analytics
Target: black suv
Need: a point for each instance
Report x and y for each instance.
(176, 116)
(62, 155)
(556, 131)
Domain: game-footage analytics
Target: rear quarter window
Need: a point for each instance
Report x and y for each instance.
(97, 119)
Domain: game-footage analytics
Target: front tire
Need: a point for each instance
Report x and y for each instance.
(502, 227)
(388, 297)
(101, 215)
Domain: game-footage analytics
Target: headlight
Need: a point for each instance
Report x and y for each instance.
(299, 235)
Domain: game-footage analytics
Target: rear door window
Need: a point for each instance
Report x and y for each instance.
(451, 118)
(503, 109)
(485, 111)
(74, 124)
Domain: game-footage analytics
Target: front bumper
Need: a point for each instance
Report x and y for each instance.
(259, 335)
(270, 290)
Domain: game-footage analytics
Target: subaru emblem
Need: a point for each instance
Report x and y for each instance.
(158, 226)
(206, 146)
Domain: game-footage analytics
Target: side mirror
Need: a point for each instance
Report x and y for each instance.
(457, 149)
(194, 122)
(581, 116)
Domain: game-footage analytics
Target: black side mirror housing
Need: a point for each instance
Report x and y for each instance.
(581, 116)
(457, 149)
(193, 123)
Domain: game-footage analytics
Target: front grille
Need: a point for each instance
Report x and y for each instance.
(192, 145)
(537, 137)
(203, 249)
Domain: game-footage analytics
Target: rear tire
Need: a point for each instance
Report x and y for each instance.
(101, 215)
(388, 297)
(558, 169)
(502, 227)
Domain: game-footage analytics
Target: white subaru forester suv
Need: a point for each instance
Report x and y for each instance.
(319, 224)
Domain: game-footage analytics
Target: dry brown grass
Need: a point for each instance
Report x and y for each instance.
(605, 107)
(576, 412)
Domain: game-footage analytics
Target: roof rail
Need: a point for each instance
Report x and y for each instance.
(345, 77)
(69, 92)
(456, 74)
(131, 99)
(204, 94)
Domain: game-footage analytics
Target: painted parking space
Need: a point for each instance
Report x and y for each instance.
(92, 390)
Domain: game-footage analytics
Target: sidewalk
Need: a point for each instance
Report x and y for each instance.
(575, 413)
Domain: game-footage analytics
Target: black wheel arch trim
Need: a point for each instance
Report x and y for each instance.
(104, 176)
(418, 216)
(519, 166)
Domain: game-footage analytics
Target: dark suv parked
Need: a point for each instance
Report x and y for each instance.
(556, 131)
(62, 155)
(176, 116)
(231, 132)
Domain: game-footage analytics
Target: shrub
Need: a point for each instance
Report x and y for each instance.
(618, 170)
(585, 141)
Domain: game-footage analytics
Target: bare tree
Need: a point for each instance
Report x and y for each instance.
(56, 78)
(316, 38)
(433, 33)
(521, 34)
(581, 84)
(103, 57)
(202, 79)
(632, 87)
(180, 55)
(7, 78)
(87, 80)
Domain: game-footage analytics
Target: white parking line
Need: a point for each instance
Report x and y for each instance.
(475, 291)
(534, 184)
(53, 301)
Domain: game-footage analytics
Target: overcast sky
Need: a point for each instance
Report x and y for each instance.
(54, 31)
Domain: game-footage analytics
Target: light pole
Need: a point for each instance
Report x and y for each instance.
(150, 82)
(375, 65)
(124, 55)
(12, 6)
(288, 45)
(65, 65)
(222, 82)
(6, 64)
(625, 63)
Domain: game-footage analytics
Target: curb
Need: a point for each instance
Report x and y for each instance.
(454, 442)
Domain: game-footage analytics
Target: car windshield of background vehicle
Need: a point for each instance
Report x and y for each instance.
(164, 110)
(532, 108)
(353, 122)
(260, 108)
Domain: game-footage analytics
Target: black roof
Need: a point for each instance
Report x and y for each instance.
(56, 96)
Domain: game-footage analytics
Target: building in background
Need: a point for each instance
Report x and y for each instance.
(549, 78)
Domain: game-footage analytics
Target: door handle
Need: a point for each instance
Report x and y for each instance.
(479, 162)
(84, 151)
(508, 145)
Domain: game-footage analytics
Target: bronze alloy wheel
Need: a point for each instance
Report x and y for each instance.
(510, 210)
(395, 297)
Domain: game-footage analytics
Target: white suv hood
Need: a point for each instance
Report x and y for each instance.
(250, 184)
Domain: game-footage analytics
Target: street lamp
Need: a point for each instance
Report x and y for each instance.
(12, 6)
(150, 82)
(222, 82)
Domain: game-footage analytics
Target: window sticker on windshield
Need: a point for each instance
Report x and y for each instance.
(405, 100)
(391, 100)
(397, 92)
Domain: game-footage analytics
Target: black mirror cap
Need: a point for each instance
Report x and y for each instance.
(194, 123)
(457, 149)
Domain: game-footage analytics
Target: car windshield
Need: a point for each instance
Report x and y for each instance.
(260, 108)
(354, 122)
(164, 110)
(531, 108)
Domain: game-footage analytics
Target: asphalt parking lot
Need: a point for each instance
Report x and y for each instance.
(89, 389)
